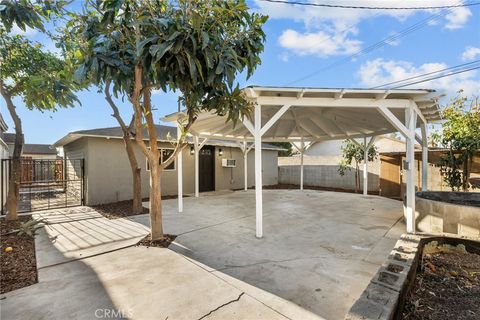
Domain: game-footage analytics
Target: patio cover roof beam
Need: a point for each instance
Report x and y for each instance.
(332, 102)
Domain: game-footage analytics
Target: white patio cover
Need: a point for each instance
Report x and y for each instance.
(307, 115)
(320, 114)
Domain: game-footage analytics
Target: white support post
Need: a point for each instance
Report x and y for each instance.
(197, 161)
(258, 171)
(365, 166)
(410, 120)
(302, 149)
(424, 157)
(180, 175)
(245, 165)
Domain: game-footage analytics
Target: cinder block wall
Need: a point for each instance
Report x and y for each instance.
(322, 171)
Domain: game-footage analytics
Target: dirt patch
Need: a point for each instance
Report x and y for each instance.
(117, 210)
(162, 243)
(18, 267)
(447, 286)
(122, 209)
(295, 186)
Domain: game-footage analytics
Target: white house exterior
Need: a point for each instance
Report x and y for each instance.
(3, 145)
(108, 175)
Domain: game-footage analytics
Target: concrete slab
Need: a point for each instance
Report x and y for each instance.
(82, 232)
(137, 282)
(319, 250)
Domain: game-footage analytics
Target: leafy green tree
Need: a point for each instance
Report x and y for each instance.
(42, 80)
(352, 152)
(27, 13)
(285, 145)
(194, 47)
(460, 134)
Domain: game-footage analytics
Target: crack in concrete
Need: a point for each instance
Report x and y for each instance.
(274, 261)
(221, 306)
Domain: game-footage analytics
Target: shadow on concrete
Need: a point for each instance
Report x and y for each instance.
(70, 290)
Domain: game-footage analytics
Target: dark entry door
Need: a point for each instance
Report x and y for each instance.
(207, 169)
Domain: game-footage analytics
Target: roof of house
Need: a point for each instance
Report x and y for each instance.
(3, 124)
(30, 148)
(9, 137)
(164, 133)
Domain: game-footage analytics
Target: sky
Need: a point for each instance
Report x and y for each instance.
(312, 47)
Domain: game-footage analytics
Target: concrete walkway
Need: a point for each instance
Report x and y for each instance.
(319, 250)
(88, 269)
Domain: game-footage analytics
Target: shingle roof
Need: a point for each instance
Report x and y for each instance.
(9, 137)
(3, 125)
(164, 133)
(29, 148)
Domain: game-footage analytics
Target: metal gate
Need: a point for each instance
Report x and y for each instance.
(45, 184)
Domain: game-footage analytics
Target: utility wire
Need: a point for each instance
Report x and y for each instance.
(326, 5)
(422, 23)
(427, 74)
(436, 77)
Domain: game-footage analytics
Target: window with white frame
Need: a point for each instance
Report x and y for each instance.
(164, 155)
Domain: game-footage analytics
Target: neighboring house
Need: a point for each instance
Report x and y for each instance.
(31, 150)
(321, 163)
(108, 175)
(3, 145)
(3, 164)
(334, 147)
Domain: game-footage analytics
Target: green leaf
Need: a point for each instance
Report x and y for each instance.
(159, 51)
(144, 42)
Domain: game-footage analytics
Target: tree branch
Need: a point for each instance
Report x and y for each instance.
(181, 141)
(116, 113)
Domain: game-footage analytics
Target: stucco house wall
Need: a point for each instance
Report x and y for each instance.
(108, 175)
(4, 154)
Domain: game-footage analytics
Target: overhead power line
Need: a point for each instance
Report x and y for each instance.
(327, 5)
(436, 77)
(399, 82)
(402, 33)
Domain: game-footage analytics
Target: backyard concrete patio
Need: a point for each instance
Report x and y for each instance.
(318, 253)
(319, 249)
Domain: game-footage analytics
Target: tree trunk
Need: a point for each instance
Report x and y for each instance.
(357, 178)
(16, 168)
(136, 175)
(156, 225)
(137, 207)
(466, 173)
